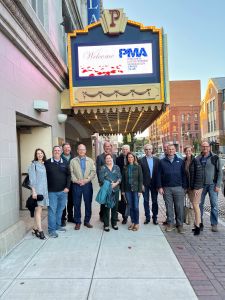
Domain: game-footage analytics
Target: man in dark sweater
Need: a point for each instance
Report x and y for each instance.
(59, 179)
(171, 184)
(68, 214)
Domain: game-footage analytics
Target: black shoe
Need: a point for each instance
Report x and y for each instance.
(197, 230)
(193, 229)
(124, 221)
(165, 223)
(201, 226)
(35, 232)
(41, 235)
(146, 222)
(115, 227)
(106, 229)
(63, 224)
(155, 222)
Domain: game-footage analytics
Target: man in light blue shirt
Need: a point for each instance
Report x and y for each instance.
(149, 166)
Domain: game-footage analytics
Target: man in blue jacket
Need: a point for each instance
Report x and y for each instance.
(171, 184)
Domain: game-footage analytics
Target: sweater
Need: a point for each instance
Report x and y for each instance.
(132, 182)
(171, 174)
(58, 175)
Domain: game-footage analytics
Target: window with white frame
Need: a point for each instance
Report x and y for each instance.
(38, 7)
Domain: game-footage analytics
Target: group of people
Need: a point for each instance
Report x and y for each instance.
(63, 180)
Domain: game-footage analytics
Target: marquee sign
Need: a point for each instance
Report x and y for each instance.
(111, 68)
(115, 60)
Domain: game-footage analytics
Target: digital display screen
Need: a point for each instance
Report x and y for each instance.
(114, 60)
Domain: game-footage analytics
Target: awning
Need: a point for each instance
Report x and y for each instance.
(118, 120)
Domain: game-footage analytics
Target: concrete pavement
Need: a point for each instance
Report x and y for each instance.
(95, 265)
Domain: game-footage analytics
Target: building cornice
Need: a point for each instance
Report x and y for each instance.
(72, 10)
(18, 26)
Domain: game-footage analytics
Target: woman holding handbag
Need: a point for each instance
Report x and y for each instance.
(193, 170)
(131, 187)
(38, 185)
(110, 172)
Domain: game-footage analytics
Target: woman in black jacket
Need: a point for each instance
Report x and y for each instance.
(131, 187)
(193, 170)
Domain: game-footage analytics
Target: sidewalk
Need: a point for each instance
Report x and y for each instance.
(95, 265)
(202, 258)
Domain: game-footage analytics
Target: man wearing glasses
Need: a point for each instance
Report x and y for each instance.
(149, 166)
(83, 172)
(212, 177)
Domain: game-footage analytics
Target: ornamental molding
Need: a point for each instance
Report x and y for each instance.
(48, 61)
(115, 109)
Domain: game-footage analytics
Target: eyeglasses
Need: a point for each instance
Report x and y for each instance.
(147, 149)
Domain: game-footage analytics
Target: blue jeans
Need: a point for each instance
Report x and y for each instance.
(213, 197)
(57, 203)
(154, 196)
(133, 202)
(87, 192)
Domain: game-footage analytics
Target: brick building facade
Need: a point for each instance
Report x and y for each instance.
(180, 123)
(212, 114)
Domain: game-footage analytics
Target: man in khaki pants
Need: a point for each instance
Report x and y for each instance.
(83, 172)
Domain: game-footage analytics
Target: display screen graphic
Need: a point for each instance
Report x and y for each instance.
(114, 60)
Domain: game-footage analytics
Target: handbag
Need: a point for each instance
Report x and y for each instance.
(26, 182)
(188, 212)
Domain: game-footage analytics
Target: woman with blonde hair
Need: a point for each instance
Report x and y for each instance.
(38, 184)
(193, 170)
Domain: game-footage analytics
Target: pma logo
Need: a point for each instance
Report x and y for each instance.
(129, 52)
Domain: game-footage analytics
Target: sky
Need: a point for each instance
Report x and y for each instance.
(195, 31)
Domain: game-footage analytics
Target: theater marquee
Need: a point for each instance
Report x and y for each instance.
(118, 79)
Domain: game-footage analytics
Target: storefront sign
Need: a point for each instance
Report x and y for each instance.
(93, 7)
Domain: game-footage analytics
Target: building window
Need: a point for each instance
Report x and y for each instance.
(188, 126)
(188, 117)
(196, 126)
(209, 127)
(38, 7)
(174, 118)
(196, 117)
(183, 128)
(214, 124)
(182, 118)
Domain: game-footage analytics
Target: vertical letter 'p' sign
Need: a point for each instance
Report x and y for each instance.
(115, 14)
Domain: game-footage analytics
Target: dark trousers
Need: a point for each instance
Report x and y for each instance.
(154, 197)
(174, 200)
(114, 214)
(68, 210)
(124, 199)
(87, 192)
